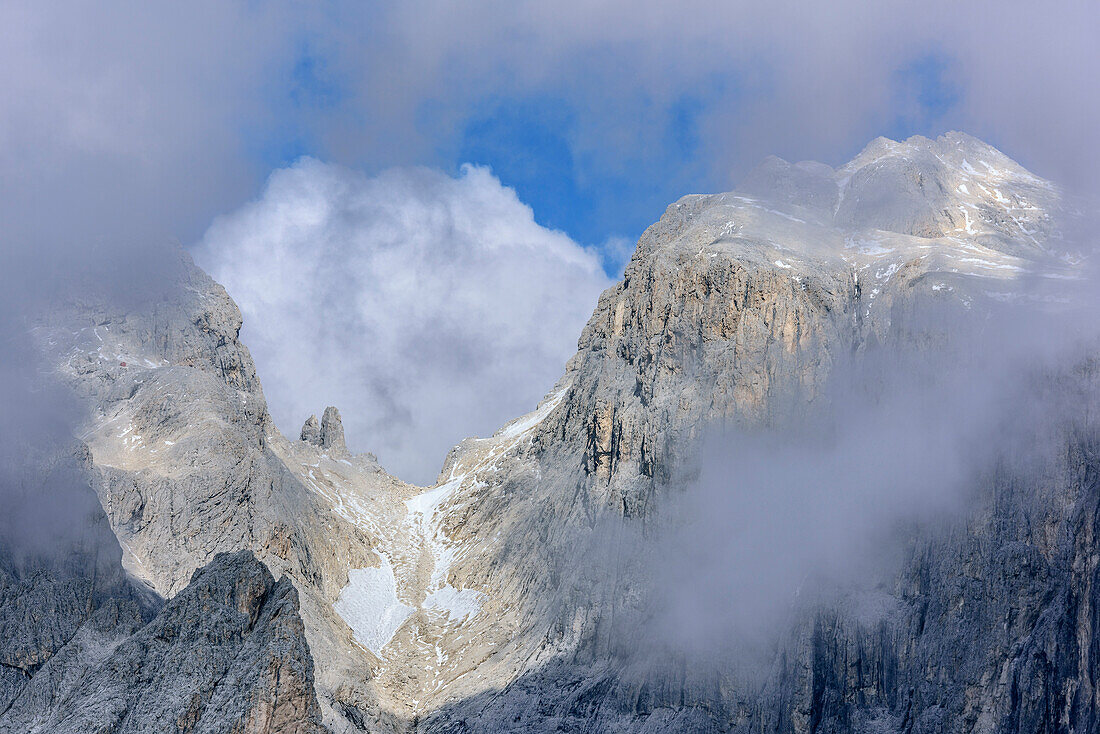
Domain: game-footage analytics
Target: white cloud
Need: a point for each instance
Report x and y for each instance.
(427, 308)
(134, 120)
(800, 80)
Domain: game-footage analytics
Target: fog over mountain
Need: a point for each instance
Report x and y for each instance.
(824, 460)
(388, 368)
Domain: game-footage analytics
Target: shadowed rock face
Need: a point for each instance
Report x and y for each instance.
(311, 431)
(228, 653)
(187, 464)
(59, 565)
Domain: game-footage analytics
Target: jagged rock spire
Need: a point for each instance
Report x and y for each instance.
(311, 431)
(328, 434)
(332, 430)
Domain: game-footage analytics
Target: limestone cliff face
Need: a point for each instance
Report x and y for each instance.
(59, 565)
(85, 647)
(187, 463)
(472, 605)
(701, 328)
(738, 308)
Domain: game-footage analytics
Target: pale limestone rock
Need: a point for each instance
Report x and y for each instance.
(332, 431)
(735, 307)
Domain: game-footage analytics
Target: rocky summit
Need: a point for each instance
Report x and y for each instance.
(513, 594)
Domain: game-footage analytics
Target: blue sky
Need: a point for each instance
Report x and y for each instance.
(533, 143)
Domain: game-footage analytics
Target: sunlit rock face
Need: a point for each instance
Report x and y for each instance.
(511, 595)
(739, 309)
(738, 306)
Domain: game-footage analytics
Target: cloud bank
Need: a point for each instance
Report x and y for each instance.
(426, 307)
(149, 120)
(800, 80)
(914, 440)
(124, 124)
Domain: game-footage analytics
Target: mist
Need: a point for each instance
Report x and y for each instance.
(51, 516)
(126, 127)
(765, 525)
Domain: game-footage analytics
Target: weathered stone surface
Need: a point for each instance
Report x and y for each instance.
(228, 653)
(332, 431)
(84, 647)
(311, 431)
(736, 308)
(187, 463)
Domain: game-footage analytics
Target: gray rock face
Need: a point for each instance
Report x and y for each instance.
(486, 612)
(311, 431)
(329, 434)
(83, 647)
(332, 431)
(228, 653)
(59, 567)
(187, 464)
(737, 308)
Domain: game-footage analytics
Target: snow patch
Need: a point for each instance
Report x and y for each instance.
(887, 273)
(969, 225)
(455, 604)
(521, 425)
(422, 510)
(370, 606)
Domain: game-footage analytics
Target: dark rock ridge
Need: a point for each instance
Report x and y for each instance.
(59, 565)
(332, 430)
(311, 431)
(84, 647)
(226, 654)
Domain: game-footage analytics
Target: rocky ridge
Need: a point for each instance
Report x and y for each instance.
(461, 606)
(85, 647)
(228, 653)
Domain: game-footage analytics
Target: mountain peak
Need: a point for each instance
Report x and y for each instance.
(952, 188)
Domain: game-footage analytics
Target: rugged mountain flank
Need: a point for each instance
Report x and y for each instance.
(501, 598)
(737, 308)
(227, 653)
(187, 463)
(58, 567)
(85, 647)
